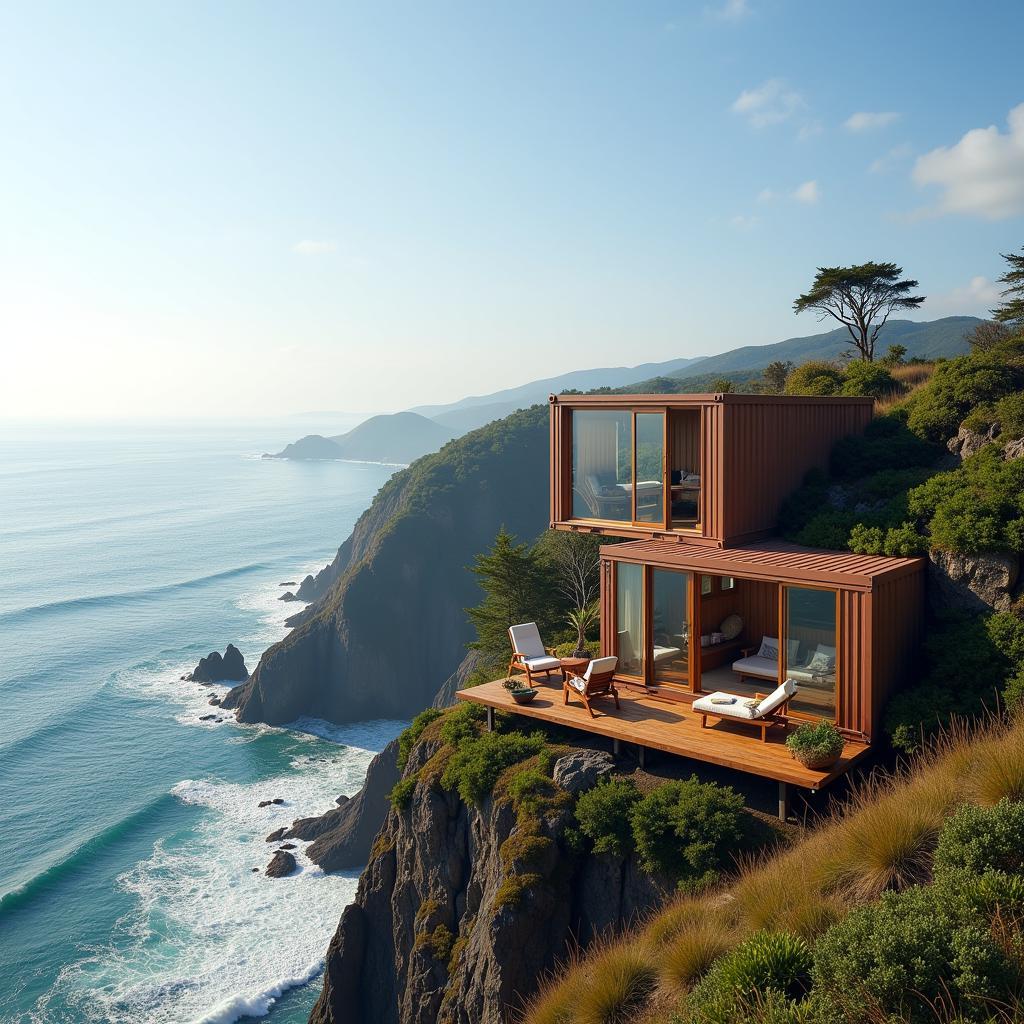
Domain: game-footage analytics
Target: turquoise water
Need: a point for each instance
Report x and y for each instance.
(129, 828)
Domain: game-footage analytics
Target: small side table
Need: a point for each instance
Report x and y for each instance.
(573, 666)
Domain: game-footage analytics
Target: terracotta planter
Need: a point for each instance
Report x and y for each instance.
(814, 761)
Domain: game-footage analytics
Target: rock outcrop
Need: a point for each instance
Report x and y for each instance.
(459, 914)
(389, 619)
(281, 864)
(219, 668)
(342, 837)
(974, 583)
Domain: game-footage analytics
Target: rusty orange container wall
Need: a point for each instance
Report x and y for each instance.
(755, 451)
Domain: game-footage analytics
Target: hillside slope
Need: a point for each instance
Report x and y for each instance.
(391, 624)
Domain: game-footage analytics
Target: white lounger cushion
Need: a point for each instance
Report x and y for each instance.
(666, 653)
(545, 664)
(526, 640)
(760, 668)
(738, 709)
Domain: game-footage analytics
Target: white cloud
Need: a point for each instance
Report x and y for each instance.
(310, 247)
(771, 102)
(808, 192)
(895, 155)
(731, 10)
(982, 175)
(809, 129)
(975, 298)
(743, 223)
(867, 121)
(767, 195)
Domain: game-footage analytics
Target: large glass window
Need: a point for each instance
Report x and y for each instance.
(810, 649)
(629, 618)
(670, 627)
(684, 467)
(602, 465)
(650, 467)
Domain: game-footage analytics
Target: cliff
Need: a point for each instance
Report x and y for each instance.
(389, 622)
(462, 908)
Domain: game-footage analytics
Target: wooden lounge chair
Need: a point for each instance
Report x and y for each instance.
(597, 681)
(529, 655)
(763, 711)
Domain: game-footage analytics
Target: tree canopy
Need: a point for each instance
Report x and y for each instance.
(861, 298)
(1011, 310)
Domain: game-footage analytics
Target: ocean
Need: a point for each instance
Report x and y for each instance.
(128, 827)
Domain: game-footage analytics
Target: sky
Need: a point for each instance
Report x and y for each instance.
(260, 208)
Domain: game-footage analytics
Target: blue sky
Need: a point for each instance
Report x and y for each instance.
(255, 207)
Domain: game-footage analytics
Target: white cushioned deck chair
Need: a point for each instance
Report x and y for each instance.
(597, 681)
(529, 655)
(763, 711)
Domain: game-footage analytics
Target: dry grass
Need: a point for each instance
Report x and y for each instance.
(883, 839)
(909, 379)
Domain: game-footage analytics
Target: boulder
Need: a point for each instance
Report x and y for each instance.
(968, 442)
(277, 834)
(974, 583)
(287, 596)
(287, 846)
(1014, 450)
(281, 864)
(581, 769)
(215, 667)
(214, 702)
(287, 583)
(339, 800)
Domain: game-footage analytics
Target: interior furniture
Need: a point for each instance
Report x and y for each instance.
(529, 654)
(764, 664)
(763, 711)
(597, 681)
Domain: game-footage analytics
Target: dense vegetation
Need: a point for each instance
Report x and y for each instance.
(908, 908)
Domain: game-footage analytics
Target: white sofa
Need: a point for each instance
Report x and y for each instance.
(765, 663)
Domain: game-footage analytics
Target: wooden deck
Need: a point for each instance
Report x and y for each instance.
(672, 727)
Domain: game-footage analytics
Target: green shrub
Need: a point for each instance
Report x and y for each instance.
(1005, 630)
(815, 378)
(976, 840)
(820, 740)
(688, 830)
(401, 793)
(1009, 413)
(903, 954)
(603, 815)
(476, 764)
(956, 387)
(1013, 693)
(829, 529)
(872, 380)
(462, 723)
(409, 737)
(867, 540)
(766, 965)
(886, 444)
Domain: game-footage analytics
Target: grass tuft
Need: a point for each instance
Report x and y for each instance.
(691, 952)
(620, 981)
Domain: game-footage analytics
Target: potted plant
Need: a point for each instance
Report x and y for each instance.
(816, 746)
(521, 694)
(582, 619)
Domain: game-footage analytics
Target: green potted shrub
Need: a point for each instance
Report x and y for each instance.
(816, 746)
(521, 693)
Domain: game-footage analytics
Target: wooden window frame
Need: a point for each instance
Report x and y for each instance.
(804, 716)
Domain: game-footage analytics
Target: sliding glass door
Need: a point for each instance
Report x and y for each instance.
(629, 619)
(670, 628)
(809, 648)
(650, 467)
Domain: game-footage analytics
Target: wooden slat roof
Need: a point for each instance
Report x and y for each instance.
(768, 560)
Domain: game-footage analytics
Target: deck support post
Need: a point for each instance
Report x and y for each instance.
(616, 747)
(783, 801)
(490, 719)
(641, 752)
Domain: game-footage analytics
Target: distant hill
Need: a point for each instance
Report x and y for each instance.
(500, 403)
(400, 437)
(927, 340)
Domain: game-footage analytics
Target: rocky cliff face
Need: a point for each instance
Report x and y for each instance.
(459, 912)
(389, 621)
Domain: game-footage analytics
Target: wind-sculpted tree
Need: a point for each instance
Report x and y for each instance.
(1011, 310)
(861, 298)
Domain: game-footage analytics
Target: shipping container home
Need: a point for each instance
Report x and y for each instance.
(685, 620)
(704, 469)
(703, 599)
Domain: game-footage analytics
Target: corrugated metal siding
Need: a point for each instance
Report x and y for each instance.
(852, 666)
(897, 635)
(712, 477)
(768, 450)
(769, 560)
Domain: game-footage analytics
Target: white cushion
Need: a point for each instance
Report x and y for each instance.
(778, 696)
(738, 709)
(769, 648)
(665, 653)
(600, 665)
(577, 683)
(760, 668)
(526, 640)
(544, 664)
